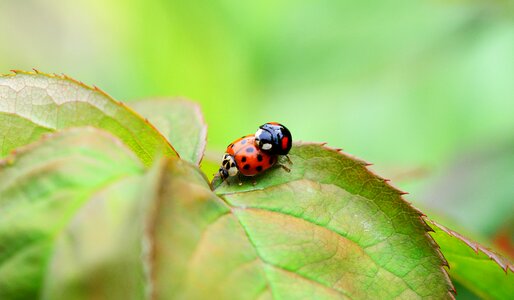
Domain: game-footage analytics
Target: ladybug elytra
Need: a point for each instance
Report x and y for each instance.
(243, 156)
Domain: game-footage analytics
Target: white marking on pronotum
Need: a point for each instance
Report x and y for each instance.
(259, 132)
(266, 147)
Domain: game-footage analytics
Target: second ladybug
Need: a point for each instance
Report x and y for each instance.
(274, 138)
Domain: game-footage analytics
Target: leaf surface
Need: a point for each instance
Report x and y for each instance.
(32, 104)
(180, 121)
(56, 194)
(329, 229)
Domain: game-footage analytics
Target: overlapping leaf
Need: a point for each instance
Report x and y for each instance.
(78, 176)
(180, 121)
(481, 270)
(35, 103)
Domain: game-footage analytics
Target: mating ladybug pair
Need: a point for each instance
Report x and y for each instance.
(253, 154)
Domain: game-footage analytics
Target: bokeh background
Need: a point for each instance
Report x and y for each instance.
(422, 89)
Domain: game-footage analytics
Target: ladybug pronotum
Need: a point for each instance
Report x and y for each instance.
(274, 138)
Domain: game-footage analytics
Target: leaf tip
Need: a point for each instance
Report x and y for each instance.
(502, 262)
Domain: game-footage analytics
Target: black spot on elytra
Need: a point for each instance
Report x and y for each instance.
(258, 168)
(243, 142)
(249, 149)
(259, 157)
(246, 167)
(243, 159)
(231, 145)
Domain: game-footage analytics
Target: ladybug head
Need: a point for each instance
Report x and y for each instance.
(274, 138)
(228, 166)
(223, 173)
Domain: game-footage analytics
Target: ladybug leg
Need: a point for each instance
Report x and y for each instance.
(254, 182)
(284, 167)
(239, 179)
(289, 160)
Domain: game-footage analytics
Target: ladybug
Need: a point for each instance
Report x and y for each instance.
(242, 156)
(274, 138)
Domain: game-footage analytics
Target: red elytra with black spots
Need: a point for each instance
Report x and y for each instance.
(250, 160)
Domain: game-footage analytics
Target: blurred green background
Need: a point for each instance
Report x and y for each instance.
(423, 89)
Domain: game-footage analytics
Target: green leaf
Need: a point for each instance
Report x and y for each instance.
(329, 229)
(73, 184)
(99, 254)
(180, 121)
(479, 269)
(182, 210)
(32, 104)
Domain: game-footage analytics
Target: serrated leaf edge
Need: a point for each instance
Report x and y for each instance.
(501, 261)
(444, 263)
(96, 89)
